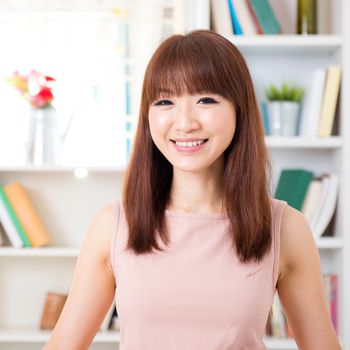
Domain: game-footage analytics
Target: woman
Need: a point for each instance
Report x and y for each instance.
(197, 248)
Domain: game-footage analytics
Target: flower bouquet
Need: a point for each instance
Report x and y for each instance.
(35, 87)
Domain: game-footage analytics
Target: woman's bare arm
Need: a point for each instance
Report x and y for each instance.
(92, 289)
(300, 285)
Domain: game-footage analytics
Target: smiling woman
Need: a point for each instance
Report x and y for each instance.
(197, 248)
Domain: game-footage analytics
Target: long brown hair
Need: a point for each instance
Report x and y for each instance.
(201, 61)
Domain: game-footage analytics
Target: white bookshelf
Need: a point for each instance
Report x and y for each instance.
(68, 203)
(324, 243)
(333, 142)
(321, 44)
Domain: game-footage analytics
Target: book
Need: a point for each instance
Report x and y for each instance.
(244, 17)
(334, 300)
(106, 323)
(4, 240)
(286, 12)
(221, 17)
(312, 103)
(278, 321)
(328, 203)
(330, 99)
(312, 199)
(115, 324)
(9, 226)
(331, 287)
(14, 219)
(255, 19)
(266, 16)
(293, 185)
(27, 214)
(265, 117)
(323, 16)
(235, 24)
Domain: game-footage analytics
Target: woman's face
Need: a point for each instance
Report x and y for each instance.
(192, 131)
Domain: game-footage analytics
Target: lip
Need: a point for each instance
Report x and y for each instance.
(188, 139)
(191, 149)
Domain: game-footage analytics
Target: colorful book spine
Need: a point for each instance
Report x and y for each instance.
(330, 99)
(255, 19)
(9, 226)
(27, 214)
(244, 18)
(265, 16)
(293, 185)
(14, 219)
(334, 301)
(235, 24)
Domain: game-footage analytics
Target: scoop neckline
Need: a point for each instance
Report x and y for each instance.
(191, 214)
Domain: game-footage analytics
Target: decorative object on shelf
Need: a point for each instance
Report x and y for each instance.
(307, 16)
(283, 109)
(53, 307)
(34, 87)
(44, 141)
(43, 144)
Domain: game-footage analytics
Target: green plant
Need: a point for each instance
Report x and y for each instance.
(286, 92)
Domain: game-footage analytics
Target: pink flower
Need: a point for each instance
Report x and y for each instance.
(35, 87)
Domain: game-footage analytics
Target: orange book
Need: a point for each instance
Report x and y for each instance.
(27, 214)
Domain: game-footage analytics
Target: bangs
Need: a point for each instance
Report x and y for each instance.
(187, 66)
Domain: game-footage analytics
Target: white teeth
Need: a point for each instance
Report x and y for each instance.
(189, 144)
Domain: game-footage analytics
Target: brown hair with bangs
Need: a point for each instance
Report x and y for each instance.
(201, 61)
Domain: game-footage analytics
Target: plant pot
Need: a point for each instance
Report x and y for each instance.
(283, 118)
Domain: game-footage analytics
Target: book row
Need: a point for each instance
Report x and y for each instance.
(315, 196)
(277, 325)
(256, 17)
(20, 223)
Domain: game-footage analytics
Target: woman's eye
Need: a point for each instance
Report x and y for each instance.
(163, 103)
(206, 100)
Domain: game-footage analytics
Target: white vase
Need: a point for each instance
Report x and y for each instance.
(283, 118)
(43, 142)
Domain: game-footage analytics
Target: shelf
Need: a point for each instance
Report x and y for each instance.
(278, 344)
(59, 252)
(60, 168)
(314, 44)
(292, 142)
(73, 252)
(329, 243)
(33, 335)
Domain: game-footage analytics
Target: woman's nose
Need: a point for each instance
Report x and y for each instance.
(186, 119)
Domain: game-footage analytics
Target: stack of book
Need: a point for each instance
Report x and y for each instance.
(20, 223)
(277, 324)
(315, 196)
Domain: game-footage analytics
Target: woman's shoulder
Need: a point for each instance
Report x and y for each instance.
(99, 235)
(296, 239)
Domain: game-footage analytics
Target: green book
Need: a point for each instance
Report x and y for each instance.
(265, 16)
(293, 185)
(14, 218)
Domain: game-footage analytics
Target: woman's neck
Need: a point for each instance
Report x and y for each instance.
(197, 192)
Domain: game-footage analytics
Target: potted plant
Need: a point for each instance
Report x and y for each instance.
(283, 108)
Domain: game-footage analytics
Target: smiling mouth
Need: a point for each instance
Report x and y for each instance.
(192, 143)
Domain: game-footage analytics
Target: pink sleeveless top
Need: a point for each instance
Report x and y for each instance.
(195, 295)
